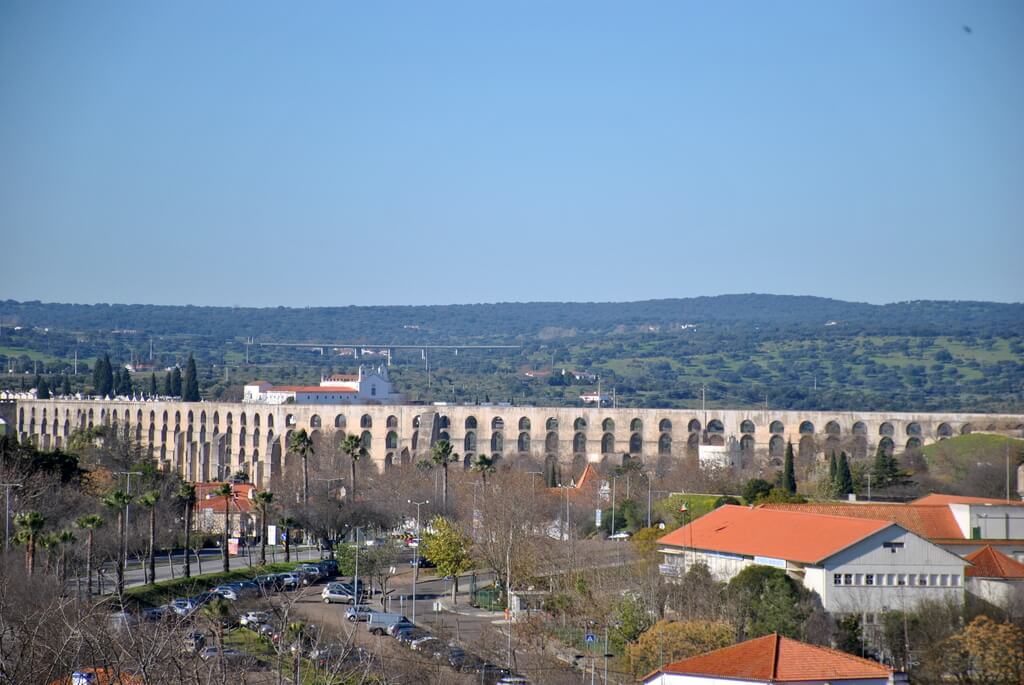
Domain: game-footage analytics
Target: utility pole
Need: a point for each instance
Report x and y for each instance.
(76, 361)
(416, 555)
(129, 475)
(613, 504)
(357, 596)
(7, 513)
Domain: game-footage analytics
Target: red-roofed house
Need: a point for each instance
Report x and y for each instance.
(996, 578)
(369, 385)
(209, 509)
(856, 565)
(774, 659)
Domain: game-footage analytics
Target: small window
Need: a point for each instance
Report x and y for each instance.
(837, 578)
(943, 580)
(857, 579)
(933, 579)
(869, 579)
(954, 580)
(848, 579)
(901, 579)
(922, 579)
(892, 546)
(890, 579)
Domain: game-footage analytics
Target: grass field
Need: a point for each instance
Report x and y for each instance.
(951, 460)
(164, 591)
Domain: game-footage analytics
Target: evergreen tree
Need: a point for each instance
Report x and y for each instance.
(788, 474)
(127, 388)
(844, 479)
(885, 471)
(176, 382)
(168, 385)
(65, 388)
(104, 377)
(152, 385)
(97, 375)
(42, 389)
(832, 467)
(191, 387)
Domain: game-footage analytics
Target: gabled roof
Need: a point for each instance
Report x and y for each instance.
(777, 659)
(325, 389)
(936, 498)
(991, 563)
(790, 535)
(930, 521)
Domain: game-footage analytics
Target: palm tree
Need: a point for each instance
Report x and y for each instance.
(302, 444)
(483, 465)
(47, 541)
(263, 500)
(352, 445)
(442, 453)
(227, 493)
(64, 538)
(149, 501)
(287, 522)
(187, 496)
(119, 501)
(29, 524)
(89, 522)
(218, 612)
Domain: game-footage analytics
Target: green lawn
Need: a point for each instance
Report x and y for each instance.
(164, 591)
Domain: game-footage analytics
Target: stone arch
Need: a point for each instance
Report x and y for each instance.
(467, 461)
(497, 423)
(716, 439)
(806, 428)
(391, 440)
(443, 435)
(747, 426)
(229, 419)
(392, 422)
(579, 443)
(607, 443)
(776, 427)
(443, 422)
(242, 420)
(315, 421)
(966, 429)
(366, 440)
(366, 421)
(270, 420)
(416, 422)
(389, 461)
(747, 444)
(551, 424)
(860, 428)
(664, 426)
(523, 443)
(887, 445)
(886, 429)
(665, 445)
(497, 442)
(202, 416)
(693, 443)
(807, 447)
(470, 423)
(715, 426)
(551, 443)
(776, 446)
(608, 426)
(190, 417)
(339, 421)
(832, 447)
(832, 428)
(255, 420)
(944, 430)
(403, 457)
(636, 443)
(524, 424)
(914, 429)
(693, 426)
(469, 444)
(913, 442)
(580, 424)
(255, 437)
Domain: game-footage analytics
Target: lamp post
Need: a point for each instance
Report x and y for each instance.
(7, 513)
(128, 489)
(416, 555)
(356, 594)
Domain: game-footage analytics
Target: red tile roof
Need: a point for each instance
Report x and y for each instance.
(790, 535)
(216, 505)
(936, 498)
(991, 563)
(930, 521)
(777, 659)
(311, 388)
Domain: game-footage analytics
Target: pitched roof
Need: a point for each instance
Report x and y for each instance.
(790, 535)
(778, 659)
(326, 389)
(216, 505)
(930, 521)
(991, 563)
(936, 498)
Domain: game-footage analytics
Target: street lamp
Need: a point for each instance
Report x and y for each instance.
(128, 475)
(7, 513)
(416, 555)
(329, 481)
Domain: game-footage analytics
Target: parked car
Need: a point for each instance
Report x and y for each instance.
(290, 581)
(253, 619)
(226, 652)
(359, 613)
(227, 592)
(423, 644)
(156, 613)
(340, 592)
(309, 573)
(423, 562)
(513, 679)
(401, 624)
(183, 606)
(407, 634)
(329, 567)
(194, 641)
(269, 583)
(379, 622)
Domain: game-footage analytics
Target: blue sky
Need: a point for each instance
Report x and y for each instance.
(411, 153)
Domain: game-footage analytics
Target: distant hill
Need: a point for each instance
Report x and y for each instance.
(975, 464)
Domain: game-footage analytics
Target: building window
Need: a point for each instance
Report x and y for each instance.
(837, 578)
(954, 580)
(944, 580)
(892, 546)
(901, 579)
(848, 579)
(922, 579)
(857, 579)
(869, 579)
(373, 391)
(933, 579)
(890, 579)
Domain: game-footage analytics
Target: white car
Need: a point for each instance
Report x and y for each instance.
(253, 619)
(336, 592)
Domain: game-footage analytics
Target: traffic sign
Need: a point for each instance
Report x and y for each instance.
(590, 638)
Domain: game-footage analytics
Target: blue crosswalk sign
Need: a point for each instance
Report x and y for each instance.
(590, 638)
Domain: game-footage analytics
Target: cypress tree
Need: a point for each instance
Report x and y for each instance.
(844, 479)
(191, 389)
(152, 385)
(176, 382)
(42, 389)
(97, 375)
(788, 474)
(168, 385)
(106, 377)
(832, 467)
(65, 388)
(127, 387)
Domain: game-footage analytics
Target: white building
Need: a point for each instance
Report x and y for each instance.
(855, 565)
(996, 578)
(368, 385)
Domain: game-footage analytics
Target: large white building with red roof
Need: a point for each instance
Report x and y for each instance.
(775, 659)
(369, 385)
(856, 565)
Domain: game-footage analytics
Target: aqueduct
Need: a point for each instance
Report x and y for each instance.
(202, 440)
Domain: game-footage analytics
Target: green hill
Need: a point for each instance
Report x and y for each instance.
(975, 464)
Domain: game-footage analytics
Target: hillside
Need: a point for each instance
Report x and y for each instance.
(974, 464)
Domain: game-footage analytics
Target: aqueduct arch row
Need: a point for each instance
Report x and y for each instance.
(206, 439)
